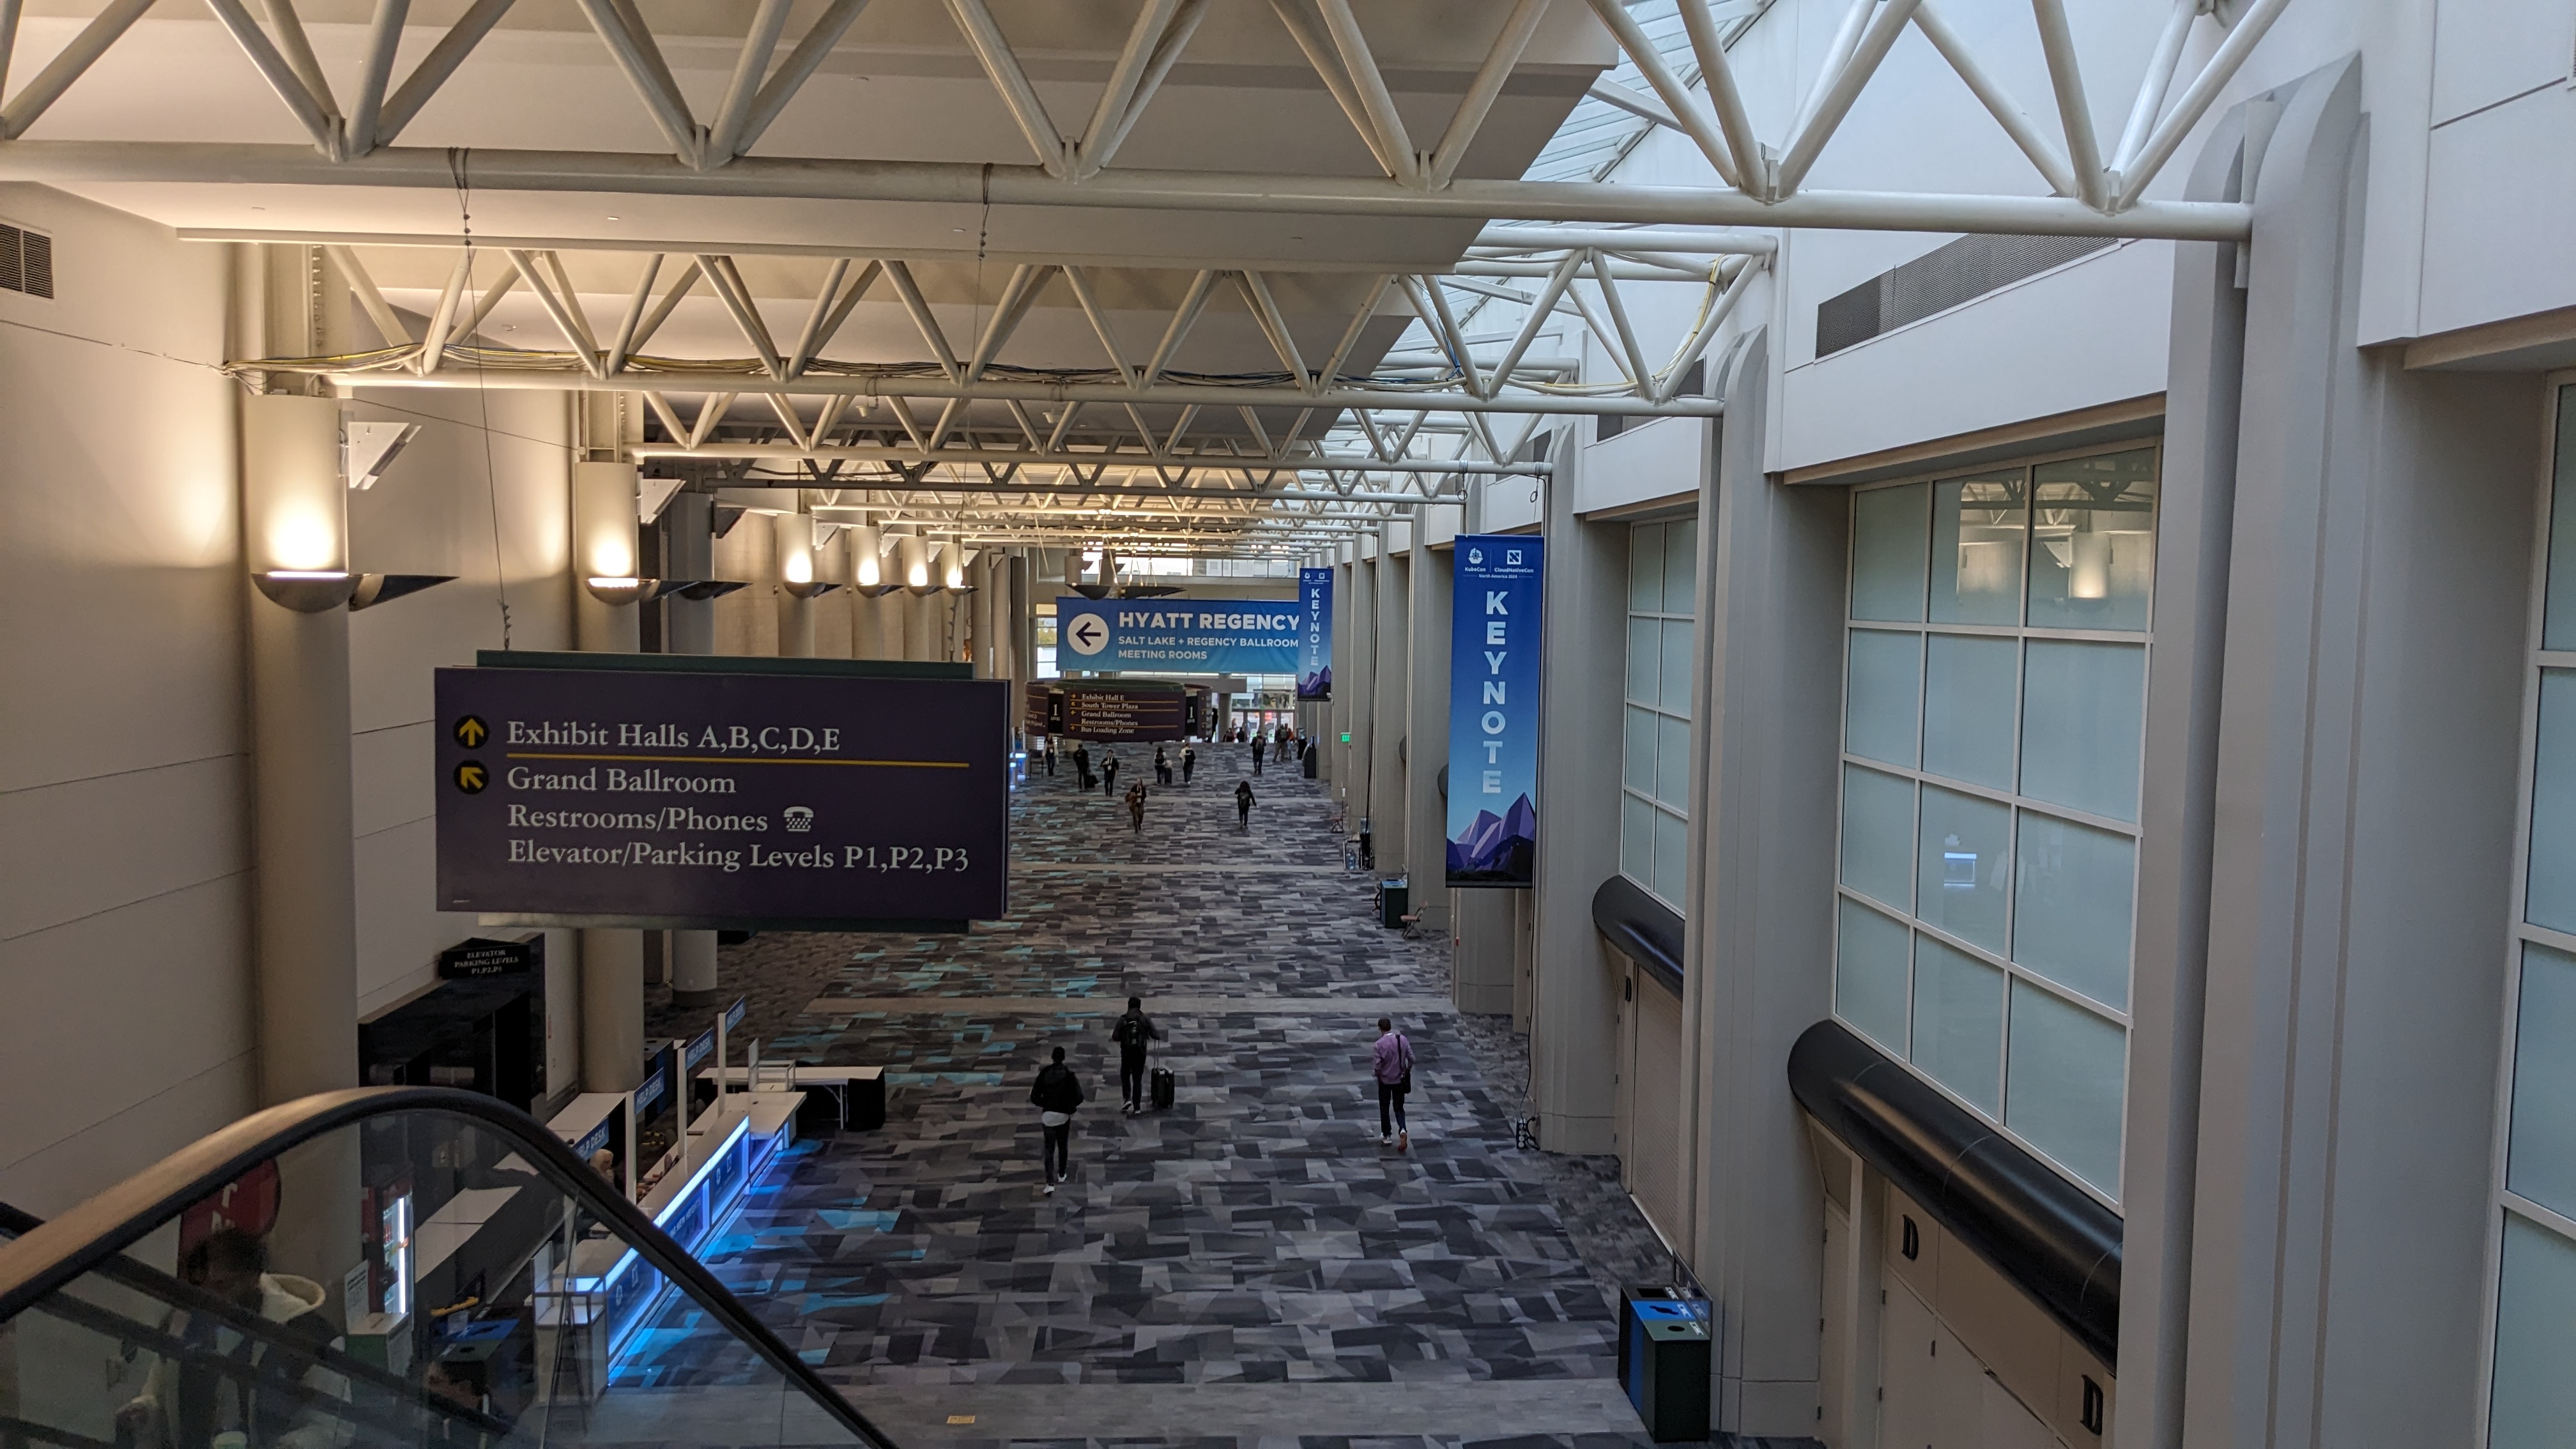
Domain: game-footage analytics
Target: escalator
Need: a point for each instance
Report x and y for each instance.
(411, 1266)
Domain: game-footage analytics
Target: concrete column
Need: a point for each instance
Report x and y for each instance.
(1359, 701)
(867, 612)
(1758, 906)
(612, 958)
(1426, 712)
(689, 534)
(295, 519)
(1481, 962)
(1574, 988)
(1390, 730)
(980, 617)
(793, 542)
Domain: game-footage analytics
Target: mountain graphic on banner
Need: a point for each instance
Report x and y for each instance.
(1497, 848)
(1318, 685)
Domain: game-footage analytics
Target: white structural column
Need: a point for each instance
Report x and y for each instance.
(988, 653)
(1388, 748)
(1572, 989)
(867, 612)
(612, 958)
(1426, 712)
(793, 535)
(1358, 707)
(1758, 906)
(295, 519)
(689, 552)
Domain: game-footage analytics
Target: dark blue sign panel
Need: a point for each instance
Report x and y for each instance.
(1315, 633)
(1493, 710)
(1176, 636)
(650, 798)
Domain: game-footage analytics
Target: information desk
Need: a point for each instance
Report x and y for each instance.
(610, 1290)
(835, 1097)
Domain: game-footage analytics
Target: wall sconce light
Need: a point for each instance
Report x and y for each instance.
(316, 591)
(614, 590)
(915, 552)
(808, 588)
(307, 591)
(374, 589)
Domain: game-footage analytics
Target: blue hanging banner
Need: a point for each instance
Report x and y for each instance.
(1315, 633)
(1176, 636)
(1493, 710)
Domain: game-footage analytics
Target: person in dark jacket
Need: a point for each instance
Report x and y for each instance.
(1057, 1093)
(1243, 806)
(1189, 762)
(1050, 757)
(1136, 807)
(1260, 747)
(1082, 765)
(1134, 1033)
(1162, 766)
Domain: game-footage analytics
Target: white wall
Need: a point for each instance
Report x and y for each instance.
(124, 841)
(125, 835)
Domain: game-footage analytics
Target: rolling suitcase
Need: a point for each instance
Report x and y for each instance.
(1162, 1089)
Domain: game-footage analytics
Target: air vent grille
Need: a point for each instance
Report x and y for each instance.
(1963, 271)
(26, 261)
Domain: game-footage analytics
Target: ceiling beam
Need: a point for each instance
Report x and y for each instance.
(959, 183)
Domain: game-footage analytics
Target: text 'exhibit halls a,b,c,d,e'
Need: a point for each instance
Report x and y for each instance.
(709, 799)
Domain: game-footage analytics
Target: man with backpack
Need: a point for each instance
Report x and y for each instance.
(1133, 1033)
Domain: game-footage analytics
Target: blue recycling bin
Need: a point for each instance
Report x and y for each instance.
(1664, 1364)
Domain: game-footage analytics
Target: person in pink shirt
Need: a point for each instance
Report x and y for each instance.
(1394, 1072)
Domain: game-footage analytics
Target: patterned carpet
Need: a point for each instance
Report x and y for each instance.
(1257, 1233)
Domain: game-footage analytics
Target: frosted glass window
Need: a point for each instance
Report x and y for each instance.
(1645, 656)
(1681, 566)
(2535, 1349)
(2540, 1160)
(2558, 620)
(1968, 687)
(1645, 569)
(1959, 868)
(2083, 713)
(1889, 534)
(2093, 542)
(1978, 533)
(2071, 906)
(1878, 836)
(1959, 1023)
(1672, 762)
(1637, 751)
(1880, 713)
(1870, 974)
(1676, 667)
(2068, 1072)
(2549, 897)
(1672, 856)
(1637, 840)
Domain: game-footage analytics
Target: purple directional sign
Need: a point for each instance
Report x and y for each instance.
(690, 799)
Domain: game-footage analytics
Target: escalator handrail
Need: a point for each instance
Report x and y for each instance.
(59, 1251)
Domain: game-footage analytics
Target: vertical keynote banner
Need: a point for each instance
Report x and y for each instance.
(1315, 633)
(1493, 710)
(654, 798)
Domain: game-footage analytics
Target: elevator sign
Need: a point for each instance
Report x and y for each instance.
(655, 798)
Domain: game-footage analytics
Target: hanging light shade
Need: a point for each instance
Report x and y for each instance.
(914, 551)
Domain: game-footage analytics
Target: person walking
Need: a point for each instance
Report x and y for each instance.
(1392, 1065)
(1243, 806)
(1082, 765)
(1050, 757)
(1134, 1033)
(1162, 766)
(1259, 748)
(1189, 762)
(1136, 807)
(1109, 776)
(1057, 1093)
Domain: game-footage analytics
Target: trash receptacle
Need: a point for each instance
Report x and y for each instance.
(1394, 902)
(1664, 1362)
